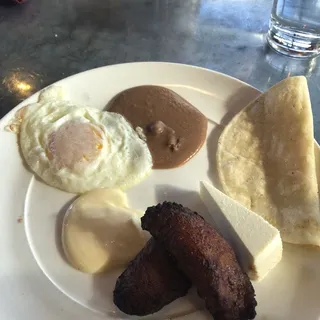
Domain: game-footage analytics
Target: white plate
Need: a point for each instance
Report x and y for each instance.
(37, 283)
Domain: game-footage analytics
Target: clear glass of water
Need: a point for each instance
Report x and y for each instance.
(294, 27)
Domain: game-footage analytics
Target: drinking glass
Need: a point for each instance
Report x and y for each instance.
(294, 27)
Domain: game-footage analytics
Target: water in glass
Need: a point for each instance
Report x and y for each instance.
(295, 27)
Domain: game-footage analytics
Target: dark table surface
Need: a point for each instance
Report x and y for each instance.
(42, 41)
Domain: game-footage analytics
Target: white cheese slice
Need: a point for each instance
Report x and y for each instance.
(256, 242)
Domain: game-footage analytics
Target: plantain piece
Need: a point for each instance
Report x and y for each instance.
(150, 282)
(205, 258)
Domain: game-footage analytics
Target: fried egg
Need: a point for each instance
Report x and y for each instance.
(77, 148)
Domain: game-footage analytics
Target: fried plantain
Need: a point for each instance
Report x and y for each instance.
(205, 258)
(150, 282)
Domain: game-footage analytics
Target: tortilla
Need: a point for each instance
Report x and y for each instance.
(266, 161)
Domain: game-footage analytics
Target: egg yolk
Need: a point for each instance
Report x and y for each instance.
(74, 143)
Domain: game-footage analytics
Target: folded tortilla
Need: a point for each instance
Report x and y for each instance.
(266, 161)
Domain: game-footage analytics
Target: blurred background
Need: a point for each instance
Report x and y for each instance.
(43, 41)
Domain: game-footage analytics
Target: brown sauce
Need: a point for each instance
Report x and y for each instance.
(175, 130)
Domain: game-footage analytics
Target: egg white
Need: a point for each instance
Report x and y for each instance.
(122, 161)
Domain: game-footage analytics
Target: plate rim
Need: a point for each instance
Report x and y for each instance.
(7, 117)
(119, 65)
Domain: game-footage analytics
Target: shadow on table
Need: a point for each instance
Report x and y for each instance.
(122, 15)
